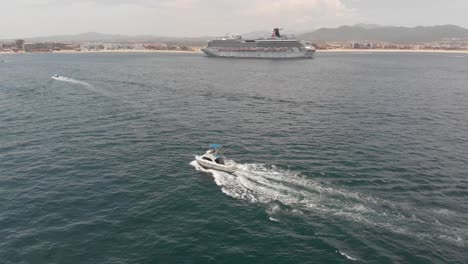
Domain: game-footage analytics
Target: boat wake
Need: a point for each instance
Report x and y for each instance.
(284, 192)
(70, 80)
(346, 256)
(85, 85)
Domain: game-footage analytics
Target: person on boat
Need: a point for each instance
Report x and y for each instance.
(214, 150)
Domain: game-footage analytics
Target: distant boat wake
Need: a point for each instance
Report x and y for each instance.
(287, 193)
(70, 80)
(86, 85)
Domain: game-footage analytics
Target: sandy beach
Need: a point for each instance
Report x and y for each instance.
(199, 51)
(107, 51)
(393, 50)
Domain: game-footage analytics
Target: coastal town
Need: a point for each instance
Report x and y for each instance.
(448, 44)
(20, 45)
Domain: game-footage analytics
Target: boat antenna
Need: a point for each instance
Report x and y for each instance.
(225, 150)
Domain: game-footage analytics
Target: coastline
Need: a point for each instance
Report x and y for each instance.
(199, 51)
(106, 51)
(393, 50)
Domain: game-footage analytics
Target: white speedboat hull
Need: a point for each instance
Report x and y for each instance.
(214, 166)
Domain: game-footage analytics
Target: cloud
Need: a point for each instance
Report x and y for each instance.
(169, 17)
(275, 7)
(176, 4)
(301, 13)
(180, 4)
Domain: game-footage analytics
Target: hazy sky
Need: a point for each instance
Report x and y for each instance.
(27, 18)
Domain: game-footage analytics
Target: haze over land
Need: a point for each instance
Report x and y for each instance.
(195, 18)
(387, 33)
(359, 32)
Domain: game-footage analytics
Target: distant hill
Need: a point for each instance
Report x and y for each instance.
(89, 36)
(100, 37)
(364, 32)
(368, 26)
(358, 32)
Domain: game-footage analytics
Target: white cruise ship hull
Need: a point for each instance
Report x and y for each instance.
(213, 52)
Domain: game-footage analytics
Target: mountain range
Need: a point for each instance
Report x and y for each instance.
(358, 32)
(365, 32)
(100, 37)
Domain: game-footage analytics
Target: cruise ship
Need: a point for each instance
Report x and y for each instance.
(274, 47)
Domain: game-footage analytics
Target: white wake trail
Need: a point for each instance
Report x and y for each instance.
(70, 80)
(285, 192)
(84, 84)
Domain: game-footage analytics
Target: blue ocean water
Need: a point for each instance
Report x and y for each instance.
(345, 158)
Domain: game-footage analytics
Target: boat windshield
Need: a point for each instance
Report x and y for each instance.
(206, 158)
(219, 161)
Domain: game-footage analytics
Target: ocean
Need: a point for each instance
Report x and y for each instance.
(344, 158)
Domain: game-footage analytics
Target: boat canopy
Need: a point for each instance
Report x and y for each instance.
(215, 146)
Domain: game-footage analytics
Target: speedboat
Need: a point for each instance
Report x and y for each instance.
(55, 77)
(214, 159)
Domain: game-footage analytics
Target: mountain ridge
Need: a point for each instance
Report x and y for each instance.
(357, 32)
(103, 37)
(387, 33)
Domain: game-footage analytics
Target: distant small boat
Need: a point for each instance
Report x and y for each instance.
(213, 159)
(55, 77)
